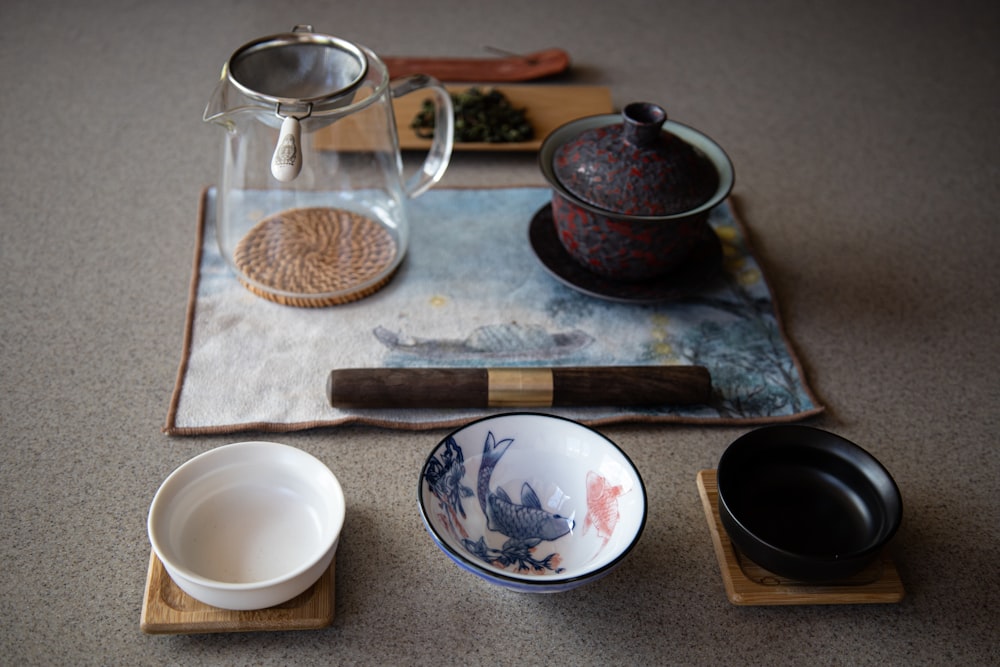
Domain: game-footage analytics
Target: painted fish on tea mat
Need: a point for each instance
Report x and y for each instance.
(508, 341)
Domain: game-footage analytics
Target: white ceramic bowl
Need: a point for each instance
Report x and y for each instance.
(532, 502)
(248, 525)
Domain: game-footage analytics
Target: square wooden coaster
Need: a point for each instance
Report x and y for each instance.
(167, 610)
(749, 584)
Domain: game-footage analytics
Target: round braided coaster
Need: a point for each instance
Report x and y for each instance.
(315, 257)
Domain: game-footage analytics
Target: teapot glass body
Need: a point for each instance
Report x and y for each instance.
(311, 207)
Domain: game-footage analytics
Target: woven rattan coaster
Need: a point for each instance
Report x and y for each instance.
(316, 257)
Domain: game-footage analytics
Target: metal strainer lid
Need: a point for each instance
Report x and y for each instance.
(298, 67)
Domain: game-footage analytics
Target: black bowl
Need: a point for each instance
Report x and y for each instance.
(806, 504)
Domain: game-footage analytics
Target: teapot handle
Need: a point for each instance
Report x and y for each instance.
(439, 154)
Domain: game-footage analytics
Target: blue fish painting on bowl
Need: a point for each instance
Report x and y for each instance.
(526, 524)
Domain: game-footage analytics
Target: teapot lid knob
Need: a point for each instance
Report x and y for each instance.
(643, 122)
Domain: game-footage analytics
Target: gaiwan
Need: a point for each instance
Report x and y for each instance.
(632, 193)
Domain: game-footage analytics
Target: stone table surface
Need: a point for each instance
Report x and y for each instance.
(866, 153)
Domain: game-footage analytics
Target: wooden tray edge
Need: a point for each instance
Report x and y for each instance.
(552, 106)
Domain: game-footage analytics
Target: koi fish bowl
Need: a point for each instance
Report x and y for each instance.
(532, 502)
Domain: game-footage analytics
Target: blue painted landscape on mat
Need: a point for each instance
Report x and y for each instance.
(730, 327)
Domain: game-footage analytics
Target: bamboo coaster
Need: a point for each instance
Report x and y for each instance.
(315, 257)
(167, 610)
(749, 584)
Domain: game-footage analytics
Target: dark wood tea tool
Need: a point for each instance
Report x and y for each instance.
(518, 387)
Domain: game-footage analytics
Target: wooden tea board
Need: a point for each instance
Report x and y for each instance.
(749, 584)
(167, 610)
(547, 107)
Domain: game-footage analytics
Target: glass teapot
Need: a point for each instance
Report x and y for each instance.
(311, 206)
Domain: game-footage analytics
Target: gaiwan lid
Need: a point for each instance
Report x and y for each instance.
(636, 167)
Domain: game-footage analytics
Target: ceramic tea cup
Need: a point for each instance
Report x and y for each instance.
(532, 502)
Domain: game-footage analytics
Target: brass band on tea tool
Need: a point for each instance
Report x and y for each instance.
(519, 387)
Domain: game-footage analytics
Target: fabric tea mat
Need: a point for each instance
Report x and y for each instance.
(471, 293)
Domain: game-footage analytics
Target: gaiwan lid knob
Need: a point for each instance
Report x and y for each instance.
(636, 167)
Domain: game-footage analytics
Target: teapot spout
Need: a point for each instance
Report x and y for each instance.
(219, 104)
(227, 104)
(227, 100)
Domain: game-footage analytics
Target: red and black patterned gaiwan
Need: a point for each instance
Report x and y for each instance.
(635, 167)
(631, 199)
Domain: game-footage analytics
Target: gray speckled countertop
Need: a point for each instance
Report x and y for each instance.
(866, 153)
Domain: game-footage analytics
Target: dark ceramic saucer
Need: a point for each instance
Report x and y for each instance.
(702, 266)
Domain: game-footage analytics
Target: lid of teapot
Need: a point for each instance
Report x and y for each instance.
(635, 167)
